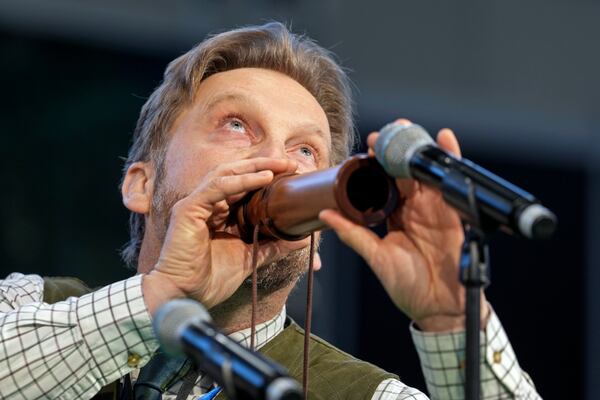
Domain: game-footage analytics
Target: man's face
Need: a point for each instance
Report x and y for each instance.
(242, 114)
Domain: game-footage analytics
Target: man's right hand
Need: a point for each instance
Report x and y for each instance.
(196, 263)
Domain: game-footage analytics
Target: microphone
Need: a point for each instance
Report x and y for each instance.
(183, 327)
(288, 208)
(483, 200)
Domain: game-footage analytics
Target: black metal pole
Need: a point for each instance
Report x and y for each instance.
(474, 276)
(470, 279)
(473, 326)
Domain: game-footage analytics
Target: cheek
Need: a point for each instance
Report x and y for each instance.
(304, 167)
(187, 166)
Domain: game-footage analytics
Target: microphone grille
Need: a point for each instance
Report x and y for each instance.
(172, 318)
(396, 145)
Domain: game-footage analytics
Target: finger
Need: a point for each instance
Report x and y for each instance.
(277, 165)
(407, 187)
(221, 207)
(222, 187)
(447, 141)
(235, 198)
(219, 216)
(317, 264)
(361, 239)
(371, 139)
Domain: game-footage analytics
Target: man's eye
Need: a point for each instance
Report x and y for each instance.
(236, 125)
(307, 152)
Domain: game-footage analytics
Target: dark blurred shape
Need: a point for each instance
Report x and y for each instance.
(66, 113)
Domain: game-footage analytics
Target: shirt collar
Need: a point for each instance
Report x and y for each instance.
(265, 331)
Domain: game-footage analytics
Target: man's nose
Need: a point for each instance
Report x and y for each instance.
(271, 149)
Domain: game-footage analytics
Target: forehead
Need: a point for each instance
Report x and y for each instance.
(275, 93)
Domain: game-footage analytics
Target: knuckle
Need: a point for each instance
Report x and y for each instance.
(234, 168)
(246, 180)
(227, 170)
(221, 171)
(237, 170)
(218, 182)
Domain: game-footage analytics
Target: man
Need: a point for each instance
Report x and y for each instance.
(230, 114)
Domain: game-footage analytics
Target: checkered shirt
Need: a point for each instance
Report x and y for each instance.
(71, 349)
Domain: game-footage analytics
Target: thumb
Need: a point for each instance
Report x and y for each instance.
(361, 239)
(447, 141)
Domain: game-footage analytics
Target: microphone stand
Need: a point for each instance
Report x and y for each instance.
(474, 275)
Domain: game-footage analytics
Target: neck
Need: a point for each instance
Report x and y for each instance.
(234, 314)
(149, 251)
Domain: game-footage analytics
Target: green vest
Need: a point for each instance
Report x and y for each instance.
(333, 374)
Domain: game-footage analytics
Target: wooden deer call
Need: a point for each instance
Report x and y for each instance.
(288, 208)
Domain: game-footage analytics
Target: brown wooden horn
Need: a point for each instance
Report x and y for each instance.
(288, 208)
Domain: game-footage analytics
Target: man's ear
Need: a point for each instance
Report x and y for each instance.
(137, 188)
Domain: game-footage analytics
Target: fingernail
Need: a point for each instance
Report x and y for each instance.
(317, 263)
(321, 213)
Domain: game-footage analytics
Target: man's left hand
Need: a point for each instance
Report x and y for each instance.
(418, 260)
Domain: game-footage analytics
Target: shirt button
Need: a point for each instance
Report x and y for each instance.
(497, 357)
(133, 360)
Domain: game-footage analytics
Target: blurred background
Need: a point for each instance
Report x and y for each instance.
(517, 81)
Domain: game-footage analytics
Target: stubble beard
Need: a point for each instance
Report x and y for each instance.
(271, 277)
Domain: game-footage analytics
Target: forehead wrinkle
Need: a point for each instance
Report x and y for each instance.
(228, 96)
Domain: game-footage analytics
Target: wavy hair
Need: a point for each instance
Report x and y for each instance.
(271, 46)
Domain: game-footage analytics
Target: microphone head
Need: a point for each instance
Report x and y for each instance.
(396, 145)
(172, 318)
(536, 222)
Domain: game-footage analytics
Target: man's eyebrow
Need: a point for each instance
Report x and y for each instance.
(237, 97)
(313, 128)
